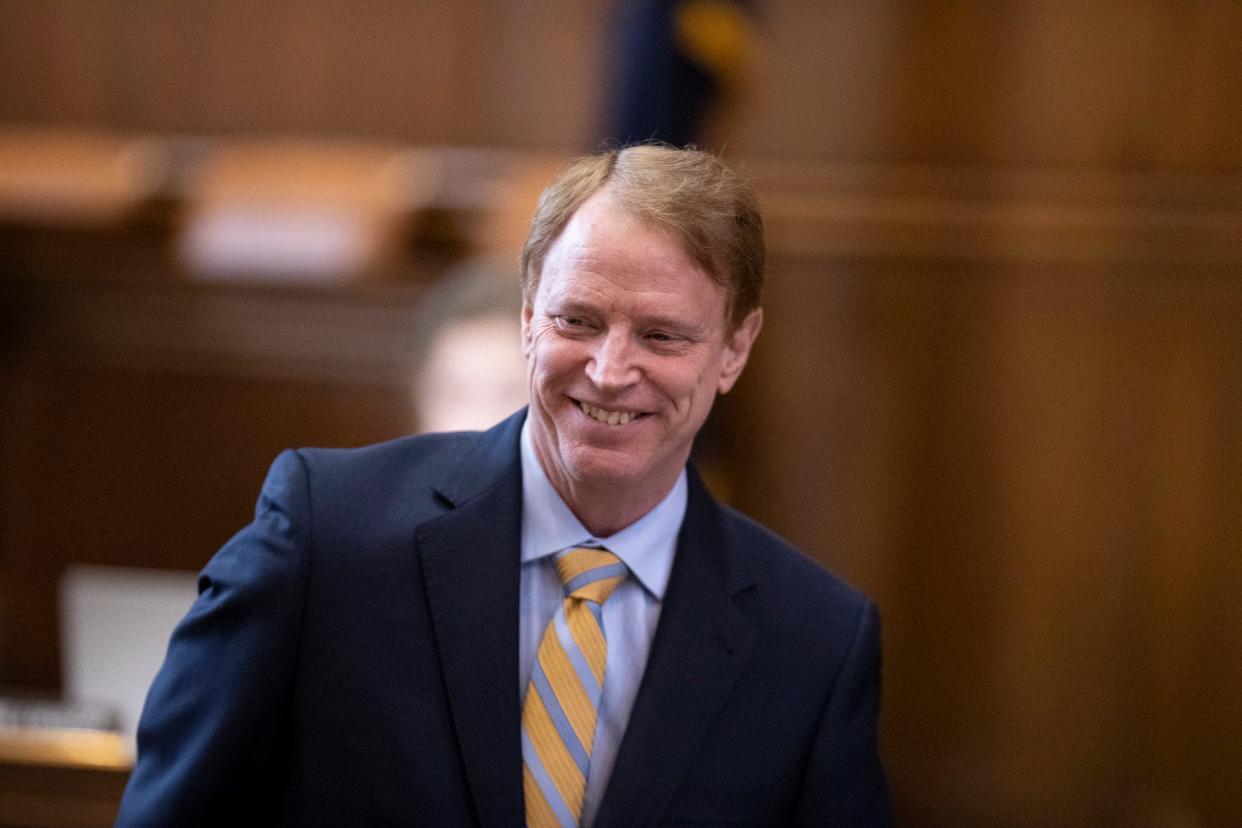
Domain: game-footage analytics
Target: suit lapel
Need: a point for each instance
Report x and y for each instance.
(701, 645)
(470, 560)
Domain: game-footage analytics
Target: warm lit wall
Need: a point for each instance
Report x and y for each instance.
(512, 74)
(1001, 381)
(1123, 85)
(1001, 388)
(1082, 85)
(1008, 407)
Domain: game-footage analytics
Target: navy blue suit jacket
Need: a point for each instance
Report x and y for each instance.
(352, 660)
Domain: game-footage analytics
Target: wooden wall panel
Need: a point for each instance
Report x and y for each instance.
(435, 72)
(1137, 85)
(539, 73)
(1031, 462)
(999, 386)
(1082, 85)
(137, 422)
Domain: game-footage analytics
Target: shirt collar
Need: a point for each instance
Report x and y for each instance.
(549, 526)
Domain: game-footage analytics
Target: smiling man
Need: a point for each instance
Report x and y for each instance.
(629, 340)
(550, 623)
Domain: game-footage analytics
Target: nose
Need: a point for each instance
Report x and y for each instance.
(613, 364)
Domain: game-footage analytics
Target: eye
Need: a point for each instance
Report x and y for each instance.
(662, 336)
(573, 324)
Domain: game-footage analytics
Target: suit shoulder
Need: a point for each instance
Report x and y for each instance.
(806, 584)
(410, 452)
(384, 478)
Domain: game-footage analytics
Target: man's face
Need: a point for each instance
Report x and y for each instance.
(627, 346)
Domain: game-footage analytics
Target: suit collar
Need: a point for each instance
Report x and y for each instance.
(490, 458)
(700, 648)
(470, 558)
(646, 546)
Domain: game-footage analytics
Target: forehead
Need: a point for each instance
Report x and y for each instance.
(605, 248)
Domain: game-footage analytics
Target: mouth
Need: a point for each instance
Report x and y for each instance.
(607, 417)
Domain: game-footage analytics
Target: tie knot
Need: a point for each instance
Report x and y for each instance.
(590, 574)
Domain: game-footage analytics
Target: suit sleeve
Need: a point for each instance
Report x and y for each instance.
(845, 782)
(214, 726)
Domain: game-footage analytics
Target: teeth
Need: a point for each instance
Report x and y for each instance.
(605, 416)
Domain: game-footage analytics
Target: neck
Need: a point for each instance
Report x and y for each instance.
(607, 512)
(605, 507)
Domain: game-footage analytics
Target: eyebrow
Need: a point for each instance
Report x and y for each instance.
(689, 328)
(577, 307)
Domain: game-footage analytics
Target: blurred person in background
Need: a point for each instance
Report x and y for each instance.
(468, 368)
(551, 622)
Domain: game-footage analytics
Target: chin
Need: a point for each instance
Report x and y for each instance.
(591, 465)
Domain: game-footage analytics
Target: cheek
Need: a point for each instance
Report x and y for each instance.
(551, 359)
(688, 388)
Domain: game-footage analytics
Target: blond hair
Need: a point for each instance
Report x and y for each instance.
(690, 193)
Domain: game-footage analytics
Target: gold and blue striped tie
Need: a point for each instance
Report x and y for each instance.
(558, 715)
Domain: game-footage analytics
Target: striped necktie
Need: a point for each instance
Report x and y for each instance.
(558, 716)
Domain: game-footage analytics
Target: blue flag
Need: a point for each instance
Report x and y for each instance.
(674, 63)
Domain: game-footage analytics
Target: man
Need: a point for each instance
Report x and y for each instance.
(551, 622)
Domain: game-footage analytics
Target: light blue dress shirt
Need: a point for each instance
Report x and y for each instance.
(630, 615)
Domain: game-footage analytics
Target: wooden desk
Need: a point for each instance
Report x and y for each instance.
(61, 779)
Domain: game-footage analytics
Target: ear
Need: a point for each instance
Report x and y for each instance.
(737, 350)
(528, 313)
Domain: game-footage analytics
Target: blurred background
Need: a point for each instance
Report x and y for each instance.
(999, 387)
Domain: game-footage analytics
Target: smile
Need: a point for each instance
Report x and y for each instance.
(603, 415)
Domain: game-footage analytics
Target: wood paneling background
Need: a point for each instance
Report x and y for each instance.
(1020, 433)
(1139, 84)
(508, 74)
(138, 420)
(999, 388)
